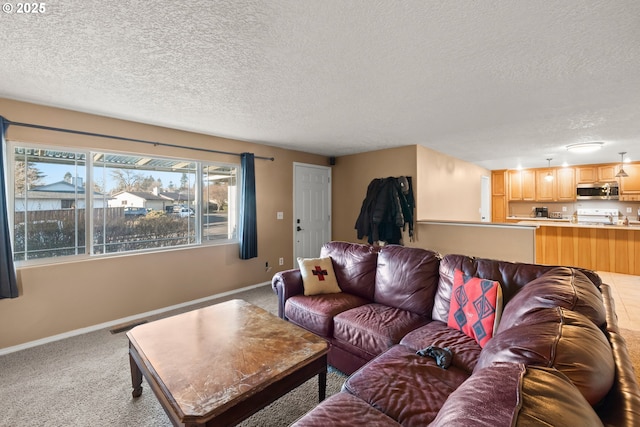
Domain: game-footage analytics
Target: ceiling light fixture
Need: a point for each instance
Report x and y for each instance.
(549, 176)
(621, 173)
(585, 147)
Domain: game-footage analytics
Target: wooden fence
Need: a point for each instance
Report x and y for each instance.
(67, 215)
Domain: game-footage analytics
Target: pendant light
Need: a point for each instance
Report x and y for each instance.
(549, 176)
(621, 173)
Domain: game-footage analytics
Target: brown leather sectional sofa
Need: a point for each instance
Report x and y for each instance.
(556, 358)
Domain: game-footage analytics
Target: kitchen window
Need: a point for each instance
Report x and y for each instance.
(62, 199)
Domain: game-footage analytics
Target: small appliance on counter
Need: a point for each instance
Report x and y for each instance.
(555, 215)
(542, 212)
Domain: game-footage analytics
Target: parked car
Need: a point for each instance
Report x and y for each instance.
(183, 211)
(134, 212)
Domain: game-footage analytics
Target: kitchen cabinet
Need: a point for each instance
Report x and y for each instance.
(498, 183)
(562, 188)
(630, 185)
(590, 174)
(498, 209)
(545, 189)
(522, 185)
(566, 185)
(498, 196)
(586, 174)
(607, 173)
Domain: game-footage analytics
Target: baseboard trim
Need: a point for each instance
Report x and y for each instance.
(120, 321)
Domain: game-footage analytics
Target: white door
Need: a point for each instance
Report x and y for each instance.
(485, 199)
(311, 209)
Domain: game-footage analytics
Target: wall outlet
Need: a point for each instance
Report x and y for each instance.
(564, 209)
(629, 210)
(280, 215)
(281, 261)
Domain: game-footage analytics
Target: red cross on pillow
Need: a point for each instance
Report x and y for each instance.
(318, 276)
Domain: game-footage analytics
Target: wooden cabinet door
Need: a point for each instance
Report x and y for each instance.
(545, 189)
(566, 186)
(498, 183)
(586, 174)
(607, 173)
(528, 185)
(522, 185)
(515, 185)
(498, 209)
(630, 185)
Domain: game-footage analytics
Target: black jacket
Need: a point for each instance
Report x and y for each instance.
(386, 210)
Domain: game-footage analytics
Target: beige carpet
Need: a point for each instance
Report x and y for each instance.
(85, 381)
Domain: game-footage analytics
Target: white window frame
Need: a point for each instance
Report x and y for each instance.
(89, 201)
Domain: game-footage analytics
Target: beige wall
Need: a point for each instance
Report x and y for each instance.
(351, 176)
(445, 188)
(449, 187)
(58, 298)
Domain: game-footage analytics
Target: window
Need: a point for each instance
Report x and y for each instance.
(131, 202)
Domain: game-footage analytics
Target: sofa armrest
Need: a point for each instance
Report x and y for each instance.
(286, 284)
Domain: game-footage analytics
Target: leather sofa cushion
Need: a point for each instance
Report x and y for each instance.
(407, 278)
(344, 409)
(560, 287)
(316, 312)
(354, 265)
(510, 394)
(465, 349)
(409, 388)
(374, 327)
(511, 276)
(558, 338)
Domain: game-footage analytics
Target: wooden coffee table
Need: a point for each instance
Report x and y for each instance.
(218, 365)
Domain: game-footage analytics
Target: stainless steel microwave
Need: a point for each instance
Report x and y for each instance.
(598, 191)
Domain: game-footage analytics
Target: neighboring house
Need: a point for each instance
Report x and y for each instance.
(56, 196)
(139, 199)
(177, 198)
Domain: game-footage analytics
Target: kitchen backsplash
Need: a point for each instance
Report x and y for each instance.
(527, 209)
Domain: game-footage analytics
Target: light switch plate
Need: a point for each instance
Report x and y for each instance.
(280, 215)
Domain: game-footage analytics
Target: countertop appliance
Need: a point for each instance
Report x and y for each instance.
(542, 212)
(597, 216)
(598, 191)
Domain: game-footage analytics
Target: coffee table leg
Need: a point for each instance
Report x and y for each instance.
(136, 377)
(322, 385)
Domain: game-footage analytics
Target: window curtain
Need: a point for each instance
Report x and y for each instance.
(8, 282)
(248, 230)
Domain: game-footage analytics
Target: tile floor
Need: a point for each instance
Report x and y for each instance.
(626, 294)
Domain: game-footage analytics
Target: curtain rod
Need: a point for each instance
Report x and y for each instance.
(121, 138)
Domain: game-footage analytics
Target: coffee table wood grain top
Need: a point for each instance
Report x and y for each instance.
(220, 364)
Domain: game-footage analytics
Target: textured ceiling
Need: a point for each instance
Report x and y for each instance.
(497, 83)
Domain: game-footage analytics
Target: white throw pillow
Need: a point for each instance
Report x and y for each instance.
(318, 276)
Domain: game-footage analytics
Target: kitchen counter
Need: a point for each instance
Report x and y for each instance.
(633, 225)
(537, 218)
